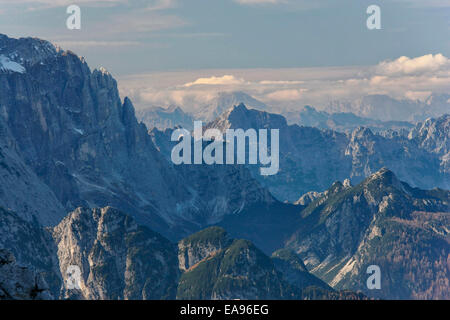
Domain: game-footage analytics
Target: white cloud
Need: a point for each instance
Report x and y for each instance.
(286, 95)
(280, 82)
(224, 80)
(403, 78)
(406, 66)
(417, 95)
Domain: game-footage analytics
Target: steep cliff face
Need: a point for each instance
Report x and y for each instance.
(77, 136)
(294, 270)
(117, 258)
(21, 190)
(80, 145)
(433, 135)
(32, 247)
(220, 190)
(201, 245)
(20, 283)
(410, 162)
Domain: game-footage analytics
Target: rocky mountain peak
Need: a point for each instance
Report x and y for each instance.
(200, 246)
(385, 179)
(224, 101)
(361, 133)
(289, 257)
(433, 134)
(27, 51)
(118, 259)
(240, 117)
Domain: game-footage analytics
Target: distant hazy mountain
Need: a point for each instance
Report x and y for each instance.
(311, 159)
(385, 108)
(163, 118)
(343, 121)
(382, 221)
(223, 102)
(433, 135)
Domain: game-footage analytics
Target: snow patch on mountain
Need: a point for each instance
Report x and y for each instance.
(7, 65)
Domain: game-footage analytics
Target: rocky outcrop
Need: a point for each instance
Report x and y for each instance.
(307, 198)
(117, 258)
(217, 267)
(200, 246)
(20, 283)
(32, 247)
(433, 135)
(238, 271)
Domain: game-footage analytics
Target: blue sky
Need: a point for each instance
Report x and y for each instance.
(156, 47)
(164, 35)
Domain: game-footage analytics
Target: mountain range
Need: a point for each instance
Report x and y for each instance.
(385, 108)
(312, 159)
(342, 121)
(162, 118)
(330, 243)
(84, 183)
(381, 221)
(378, 113)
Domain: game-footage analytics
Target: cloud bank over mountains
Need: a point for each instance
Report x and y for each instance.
(412, 78)
(421, 65)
